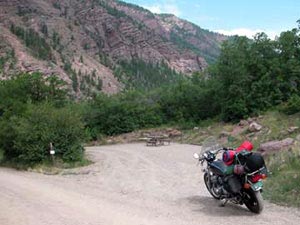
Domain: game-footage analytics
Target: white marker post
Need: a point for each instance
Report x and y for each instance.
(52, 152)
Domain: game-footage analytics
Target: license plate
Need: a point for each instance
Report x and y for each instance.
(257, 186)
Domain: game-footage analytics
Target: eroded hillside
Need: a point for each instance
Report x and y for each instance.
(91, 44)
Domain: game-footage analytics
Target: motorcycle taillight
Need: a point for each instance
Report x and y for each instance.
(255, 178)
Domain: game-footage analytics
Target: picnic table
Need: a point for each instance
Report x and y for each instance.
(157, 140)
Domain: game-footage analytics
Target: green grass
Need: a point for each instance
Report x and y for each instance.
(283, 186)
(57, 166)
(278, 124)
(46, 167)
(206, 129)
(275, 127)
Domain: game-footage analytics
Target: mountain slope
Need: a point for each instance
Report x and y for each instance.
(86, 42)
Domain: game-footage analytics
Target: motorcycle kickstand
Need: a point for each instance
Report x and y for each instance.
(223, 202)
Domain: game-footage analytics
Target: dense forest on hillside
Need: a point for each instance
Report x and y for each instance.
(249, 77)
(140, 75)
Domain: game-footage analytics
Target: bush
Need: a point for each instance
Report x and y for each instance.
(33, 113)
(233, 111)
(37, 128)
(292, 106)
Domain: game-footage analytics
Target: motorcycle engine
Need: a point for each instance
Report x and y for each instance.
(232, 184)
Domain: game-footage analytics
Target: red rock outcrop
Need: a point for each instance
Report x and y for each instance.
(95, 35)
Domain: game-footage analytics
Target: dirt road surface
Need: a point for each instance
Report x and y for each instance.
(127, 185)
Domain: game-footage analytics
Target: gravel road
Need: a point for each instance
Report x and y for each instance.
(128, 184)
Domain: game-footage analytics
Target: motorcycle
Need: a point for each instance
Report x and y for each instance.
(237, 177)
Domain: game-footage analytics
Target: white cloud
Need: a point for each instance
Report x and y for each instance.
(173, 9)
(153, 8)
(250, 33)
(164, 8)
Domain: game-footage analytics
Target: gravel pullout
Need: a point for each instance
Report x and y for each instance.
(129, 184)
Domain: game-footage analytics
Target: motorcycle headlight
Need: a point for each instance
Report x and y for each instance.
(196, 156)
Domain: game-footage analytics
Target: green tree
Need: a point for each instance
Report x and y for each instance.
(234, 78)
(38, 45)
(289, 59)
(24, 88)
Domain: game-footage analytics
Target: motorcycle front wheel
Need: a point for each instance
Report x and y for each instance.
(210, 187)
(253, 201)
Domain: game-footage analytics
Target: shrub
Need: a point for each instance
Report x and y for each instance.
(292, 106)
(31, 134)
(33, 113)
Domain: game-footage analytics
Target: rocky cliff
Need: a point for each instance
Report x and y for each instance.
(85, 41)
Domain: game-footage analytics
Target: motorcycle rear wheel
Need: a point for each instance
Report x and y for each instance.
(210, 188)
(254, 201)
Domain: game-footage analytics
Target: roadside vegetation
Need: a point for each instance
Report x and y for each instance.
(275, 126)
(283, 186)
(35, 112)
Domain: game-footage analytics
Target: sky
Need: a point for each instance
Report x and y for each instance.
(242, 17)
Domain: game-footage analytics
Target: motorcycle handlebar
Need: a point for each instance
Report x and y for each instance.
(220, 149)
(215, 152)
